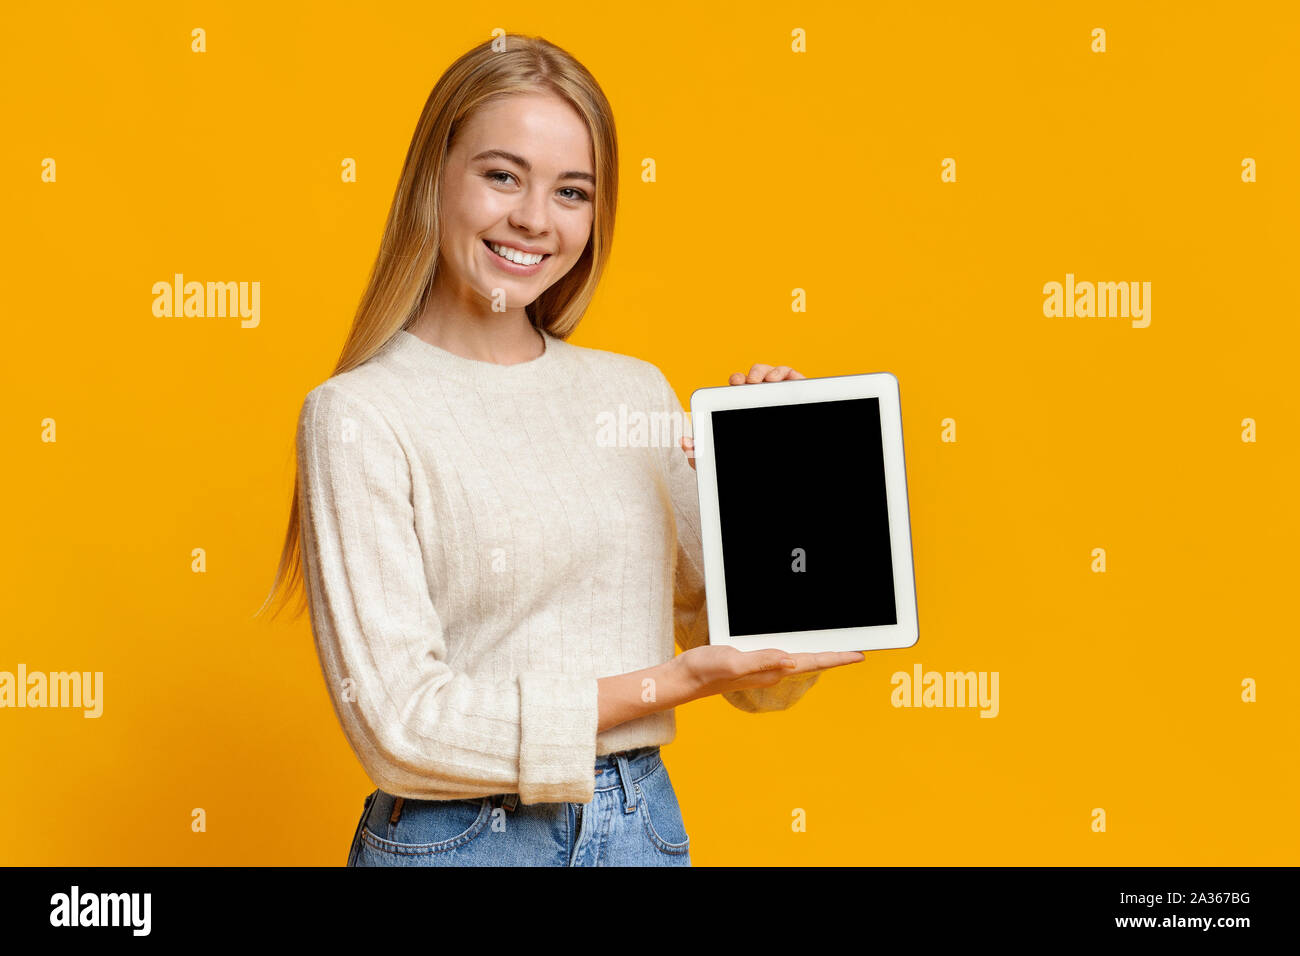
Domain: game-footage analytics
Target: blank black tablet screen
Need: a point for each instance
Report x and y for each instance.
(805, 519)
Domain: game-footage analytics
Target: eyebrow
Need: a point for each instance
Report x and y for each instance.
(526, 166)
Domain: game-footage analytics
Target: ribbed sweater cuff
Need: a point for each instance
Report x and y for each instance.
(557, 743)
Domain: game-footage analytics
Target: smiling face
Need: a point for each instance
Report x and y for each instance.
(519, 183)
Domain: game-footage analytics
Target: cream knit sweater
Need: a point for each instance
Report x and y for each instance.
(480, 543)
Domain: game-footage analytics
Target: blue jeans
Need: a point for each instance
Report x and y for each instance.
(633, 820)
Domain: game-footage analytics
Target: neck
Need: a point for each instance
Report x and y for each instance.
(504, 339)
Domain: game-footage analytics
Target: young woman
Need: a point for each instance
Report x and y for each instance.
(494, 587)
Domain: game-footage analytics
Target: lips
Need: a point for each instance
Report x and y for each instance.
(489, 242)
(509, 267)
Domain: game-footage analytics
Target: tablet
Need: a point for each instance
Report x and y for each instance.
(803, 511)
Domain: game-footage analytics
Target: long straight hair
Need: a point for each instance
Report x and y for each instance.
(403, 272)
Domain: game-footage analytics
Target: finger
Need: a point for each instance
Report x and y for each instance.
(794, 374)
(840, 658)
(835, 658)
(825, 660)
(756, 374)
(777, 374)
(803, 670)
(688, 446)
(810, 671)
(770, 659)
(803, 660)
(737, 378)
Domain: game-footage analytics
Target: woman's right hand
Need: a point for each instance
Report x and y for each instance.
(721, 668)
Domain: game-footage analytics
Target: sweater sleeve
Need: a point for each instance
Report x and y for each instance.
(420, 728)
(690, 607)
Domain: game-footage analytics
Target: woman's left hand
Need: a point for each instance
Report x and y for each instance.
(757, 374)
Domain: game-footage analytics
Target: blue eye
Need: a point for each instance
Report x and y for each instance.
(580, 197)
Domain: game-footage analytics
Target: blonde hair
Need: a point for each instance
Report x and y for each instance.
(403, 272)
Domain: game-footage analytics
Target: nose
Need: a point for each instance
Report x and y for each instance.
(530, 214)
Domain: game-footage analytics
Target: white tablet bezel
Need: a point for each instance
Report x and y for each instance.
(880, 385)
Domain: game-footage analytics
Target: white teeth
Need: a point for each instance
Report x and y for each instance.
(514, 255)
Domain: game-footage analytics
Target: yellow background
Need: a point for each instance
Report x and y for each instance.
(776, 171)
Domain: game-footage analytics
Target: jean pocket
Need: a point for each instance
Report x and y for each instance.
(431, 826)
(361, 825)
(660, 813)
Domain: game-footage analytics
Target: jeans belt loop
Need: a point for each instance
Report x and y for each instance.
(625, 775)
